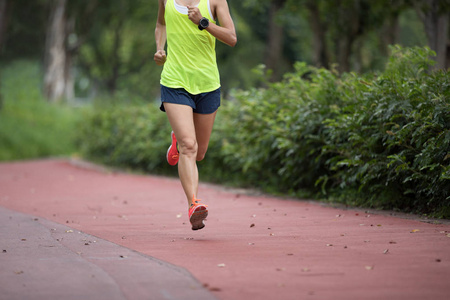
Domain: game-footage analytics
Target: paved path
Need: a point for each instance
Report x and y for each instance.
(252, 247)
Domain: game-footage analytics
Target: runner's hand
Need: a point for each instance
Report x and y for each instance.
(160, 57)
(194, 14)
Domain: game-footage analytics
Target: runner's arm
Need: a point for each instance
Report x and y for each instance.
(160, 35)
(226, 32)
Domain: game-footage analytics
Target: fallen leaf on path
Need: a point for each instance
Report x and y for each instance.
(69, 231)
(252, 225)
(19, 272)
(272, 234)
(221, 265)
(385, 251)
(379, 225)
(415, 230)
(329, 245)
(251, 244)
(392, 242)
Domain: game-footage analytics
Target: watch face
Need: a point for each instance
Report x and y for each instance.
(204, 22)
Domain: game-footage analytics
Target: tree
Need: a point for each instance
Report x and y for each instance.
(4, 18)
(275, 38)
(56, 72)
(319, 29)
(3, 22)
(435, 17)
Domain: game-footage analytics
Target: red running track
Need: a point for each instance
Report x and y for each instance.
(253, 247)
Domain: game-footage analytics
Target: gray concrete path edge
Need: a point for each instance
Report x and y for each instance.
(41, 259)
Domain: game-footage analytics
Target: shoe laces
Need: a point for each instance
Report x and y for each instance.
(196, 202)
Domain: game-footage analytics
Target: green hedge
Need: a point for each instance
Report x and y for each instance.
(30, 126)
(374, 140)
(135, 136)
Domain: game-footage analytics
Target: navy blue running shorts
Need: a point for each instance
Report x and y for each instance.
(204, 103)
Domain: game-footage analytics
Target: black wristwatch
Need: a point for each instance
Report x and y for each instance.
(203, 24)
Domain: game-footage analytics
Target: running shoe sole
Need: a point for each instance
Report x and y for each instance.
(168, 156)
(198, 217)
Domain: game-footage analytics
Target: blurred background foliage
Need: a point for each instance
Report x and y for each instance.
(78, 77)
(106, 47)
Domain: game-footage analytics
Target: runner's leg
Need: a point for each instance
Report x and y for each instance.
(181, 119)
(203, 127)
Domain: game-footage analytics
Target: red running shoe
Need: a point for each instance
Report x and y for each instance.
(172, 153)
(197, 214)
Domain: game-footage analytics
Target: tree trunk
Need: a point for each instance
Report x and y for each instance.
(5, 6)
(115, 59)
(389, 33)
(55, 53)
(436, 24)
(319, 40)
(350, 23)
(274, 47)
(71, 50)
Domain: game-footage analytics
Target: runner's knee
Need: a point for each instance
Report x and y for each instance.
(188, 146)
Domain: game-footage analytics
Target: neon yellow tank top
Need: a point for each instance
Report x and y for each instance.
(191, 56)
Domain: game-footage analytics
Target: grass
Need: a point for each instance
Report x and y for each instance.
(31, 127)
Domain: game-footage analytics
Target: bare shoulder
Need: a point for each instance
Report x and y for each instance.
(215, 3)
(218, 6)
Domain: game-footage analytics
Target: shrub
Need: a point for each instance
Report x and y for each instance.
(126, 135)
(376, 140)
(30, 127)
